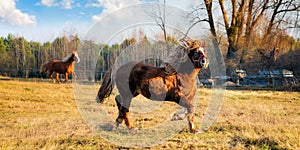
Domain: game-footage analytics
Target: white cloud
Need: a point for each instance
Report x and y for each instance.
(185, 5)
(110, 6)
(66, 4)
(48, 3)
(10, 14)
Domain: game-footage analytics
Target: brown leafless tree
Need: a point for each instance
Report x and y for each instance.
(241, 17)
(159, 15)
(281, 11)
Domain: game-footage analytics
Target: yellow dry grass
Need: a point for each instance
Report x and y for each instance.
(39, 115)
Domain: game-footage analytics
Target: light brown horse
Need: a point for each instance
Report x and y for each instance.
(65, 66)
(158, 83)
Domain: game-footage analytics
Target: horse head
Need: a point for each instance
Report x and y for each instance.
(189, 51)
(76, 57)
(196, 52)
(72, 57)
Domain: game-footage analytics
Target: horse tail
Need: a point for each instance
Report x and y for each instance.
(106, 87)
(43, 68)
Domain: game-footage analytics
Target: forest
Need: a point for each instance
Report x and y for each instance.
(252, 35)
(22, 58)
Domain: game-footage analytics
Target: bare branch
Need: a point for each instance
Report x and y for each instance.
(196, 22)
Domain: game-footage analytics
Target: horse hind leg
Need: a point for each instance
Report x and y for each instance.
(123, 106)
(120, 117)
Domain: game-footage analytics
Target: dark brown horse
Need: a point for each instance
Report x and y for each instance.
(158, 83)
(65, 66)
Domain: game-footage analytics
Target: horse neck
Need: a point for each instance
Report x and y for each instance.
(70, 61)
(192, 74)
(189, 79)
(195, 72)
(188, 68)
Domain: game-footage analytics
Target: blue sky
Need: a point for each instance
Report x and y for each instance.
(44, 20)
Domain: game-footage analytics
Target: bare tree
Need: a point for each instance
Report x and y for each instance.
(254, 14)
(234, 29)
(255, 11)
(279, 14)
(159, 15)
(196, 17)
(208, 5)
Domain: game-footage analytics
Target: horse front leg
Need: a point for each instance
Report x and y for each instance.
(57, 77)
(66, 77)
(190, 119)
(190, 115)
(74, 76)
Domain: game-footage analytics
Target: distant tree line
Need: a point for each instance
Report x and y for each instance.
(22, 58)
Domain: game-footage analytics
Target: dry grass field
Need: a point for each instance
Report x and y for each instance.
(42, 115)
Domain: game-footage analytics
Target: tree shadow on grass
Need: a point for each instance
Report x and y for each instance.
(262, 143)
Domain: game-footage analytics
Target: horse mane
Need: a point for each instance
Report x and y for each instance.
(67, 57)
(179, 55)
(70, 55)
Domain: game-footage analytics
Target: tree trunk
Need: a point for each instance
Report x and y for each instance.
(271, 22)
(231, 54)
(231, 30)
(208, 5)
(240, 21)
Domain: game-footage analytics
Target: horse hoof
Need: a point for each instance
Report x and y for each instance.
(178, 116)
(196, 131)
(114, 128)
(117, 124)
(132, 130)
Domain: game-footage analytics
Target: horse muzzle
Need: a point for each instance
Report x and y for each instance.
(199, 60)
(204, 62)
(77, 59)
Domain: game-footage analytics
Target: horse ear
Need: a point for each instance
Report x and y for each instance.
(183, 43)
(204, 46)
(196, 44)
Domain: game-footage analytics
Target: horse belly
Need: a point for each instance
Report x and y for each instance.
(60, 71)
(60, 68)
(158, 89)
(69, 70)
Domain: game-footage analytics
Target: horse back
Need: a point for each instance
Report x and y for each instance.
(148, 80)
(60, 67)
(147, 71)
